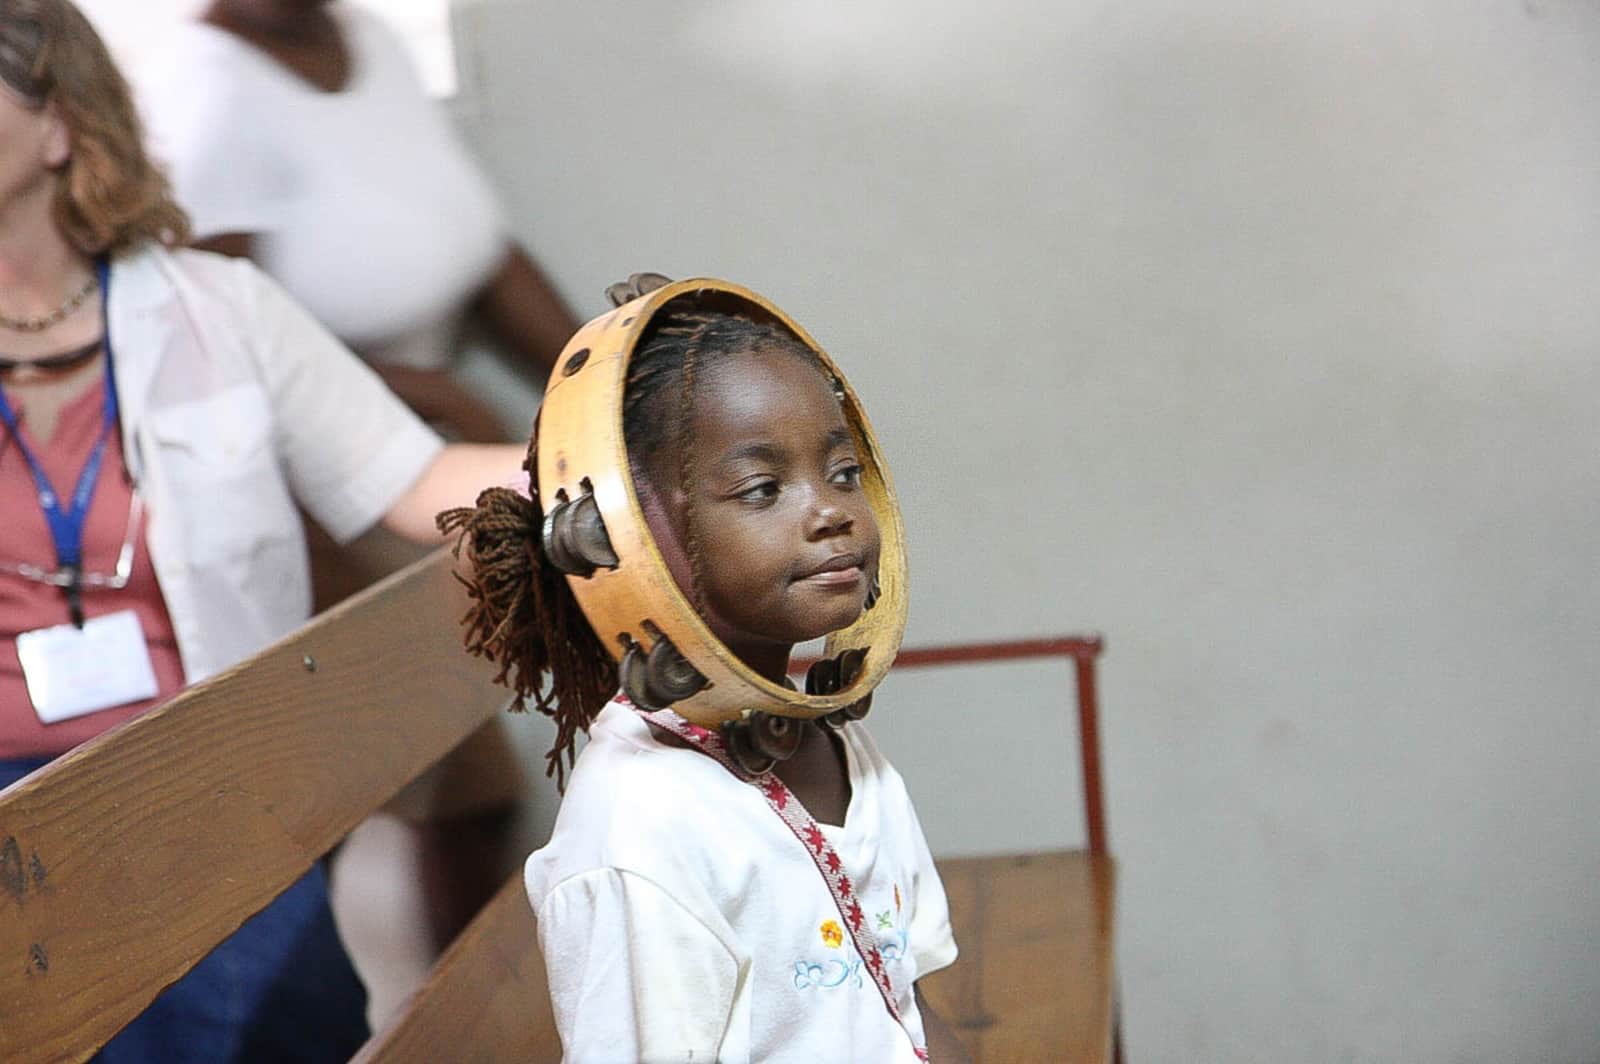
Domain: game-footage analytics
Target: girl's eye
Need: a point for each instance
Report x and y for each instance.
(850, 475)
(761, 491)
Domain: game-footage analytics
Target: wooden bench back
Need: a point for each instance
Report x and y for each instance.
(125, 862)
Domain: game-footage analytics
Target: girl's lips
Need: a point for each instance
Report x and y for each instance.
(837, 564)
(834, 579)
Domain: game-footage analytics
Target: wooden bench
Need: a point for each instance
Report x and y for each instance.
(125, 862)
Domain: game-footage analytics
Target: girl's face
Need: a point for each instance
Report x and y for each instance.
(786, 541)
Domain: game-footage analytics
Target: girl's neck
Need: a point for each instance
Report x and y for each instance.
(818, 774)
(770, 661)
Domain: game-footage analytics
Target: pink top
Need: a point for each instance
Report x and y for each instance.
(26, 604)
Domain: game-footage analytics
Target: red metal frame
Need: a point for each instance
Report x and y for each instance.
(1083, 650)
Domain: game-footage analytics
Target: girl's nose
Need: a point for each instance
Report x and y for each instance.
(828, 520)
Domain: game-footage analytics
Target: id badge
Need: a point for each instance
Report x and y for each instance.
(72, 671)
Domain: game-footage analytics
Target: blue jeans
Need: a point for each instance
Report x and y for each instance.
(279, 989)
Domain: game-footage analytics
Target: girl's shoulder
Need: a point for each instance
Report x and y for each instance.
(629, 780)
(636, 802)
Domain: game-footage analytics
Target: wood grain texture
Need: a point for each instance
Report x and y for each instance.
(1036, 977)
(487, 1000)
(126, 861)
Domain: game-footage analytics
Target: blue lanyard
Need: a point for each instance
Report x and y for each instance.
(66, 524)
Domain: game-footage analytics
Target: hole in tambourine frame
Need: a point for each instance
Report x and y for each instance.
(575, 362)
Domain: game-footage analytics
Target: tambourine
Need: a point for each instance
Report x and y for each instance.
(595, 532)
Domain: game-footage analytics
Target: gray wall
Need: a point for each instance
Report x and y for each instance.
(1258, 335)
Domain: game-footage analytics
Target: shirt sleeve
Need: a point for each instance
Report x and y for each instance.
(933, 944)
(634, 975)
(350, 447)
(932, 940)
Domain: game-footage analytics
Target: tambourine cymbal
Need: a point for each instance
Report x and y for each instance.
(595, 531)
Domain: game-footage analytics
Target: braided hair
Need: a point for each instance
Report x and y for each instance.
(523, 615)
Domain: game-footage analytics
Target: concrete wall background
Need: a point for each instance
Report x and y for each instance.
(1258, 335)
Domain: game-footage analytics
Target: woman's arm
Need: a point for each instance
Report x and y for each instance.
(233, 245)
(454, 478)
(524, 310)
(444, 403)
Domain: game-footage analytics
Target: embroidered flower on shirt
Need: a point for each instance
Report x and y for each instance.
(832, 934)
(829, 975)
(892, 936)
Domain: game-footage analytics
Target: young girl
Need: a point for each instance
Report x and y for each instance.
(684, 913)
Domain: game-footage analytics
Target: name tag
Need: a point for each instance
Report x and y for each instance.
(71, 671)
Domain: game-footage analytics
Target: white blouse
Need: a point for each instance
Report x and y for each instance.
(681, 919)
(364, 203)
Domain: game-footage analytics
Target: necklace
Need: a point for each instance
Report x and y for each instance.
(33, 325)
(64, 360)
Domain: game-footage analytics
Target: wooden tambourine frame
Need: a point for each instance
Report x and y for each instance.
(636, 601)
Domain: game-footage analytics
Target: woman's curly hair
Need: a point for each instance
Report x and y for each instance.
(109, 195)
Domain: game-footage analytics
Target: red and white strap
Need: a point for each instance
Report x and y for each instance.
(805, 828)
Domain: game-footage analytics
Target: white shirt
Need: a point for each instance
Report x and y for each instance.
(680, 918)
(235, 404)
(364, 203)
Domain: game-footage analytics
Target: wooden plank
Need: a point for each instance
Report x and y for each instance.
(126, 861)
(1036, 976)
(487, 999)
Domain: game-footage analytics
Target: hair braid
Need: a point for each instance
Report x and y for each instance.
(524, 618)
(685, 445)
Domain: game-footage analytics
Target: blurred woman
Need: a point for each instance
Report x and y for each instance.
(297, 133)
(162, 413)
